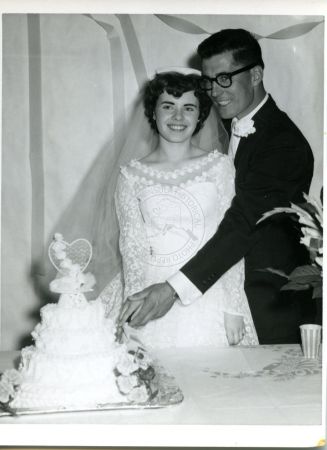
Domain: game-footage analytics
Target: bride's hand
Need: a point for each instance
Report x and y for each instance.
(234, 327)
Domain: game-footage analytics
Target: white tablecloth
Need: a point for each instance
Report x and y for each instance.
(266, 385)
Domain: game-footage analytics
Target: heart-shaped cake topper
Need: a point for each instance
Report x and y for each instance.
(78, 252)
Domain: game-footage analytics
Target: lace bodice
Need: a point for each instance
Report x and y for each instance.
(167, 216)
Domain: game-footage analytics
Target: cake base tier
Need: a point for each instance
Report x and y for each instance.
(168, 394)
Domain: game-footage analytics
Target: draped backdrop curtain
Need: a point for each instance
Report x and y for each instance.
(68, 81)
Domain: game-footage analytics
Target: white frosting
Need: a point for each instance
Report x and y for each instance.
(58, 334)
(73, 360)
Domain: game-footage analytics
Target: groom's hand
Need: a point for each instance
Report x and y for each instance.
(152, 303)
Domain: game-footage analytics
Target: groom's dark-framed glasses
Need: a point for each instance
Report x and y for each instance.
(223, 79)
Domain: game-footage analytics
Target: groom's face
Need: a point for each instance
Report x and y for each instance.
(236, 100)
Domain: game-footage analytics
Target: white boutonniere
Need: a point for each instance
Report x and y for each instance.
(242, 128)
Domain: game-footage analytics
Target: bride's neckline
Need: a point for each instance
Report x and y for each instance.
(189, 166)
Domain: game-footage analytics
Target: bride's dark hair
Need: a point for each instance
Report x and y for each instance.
(175, 84)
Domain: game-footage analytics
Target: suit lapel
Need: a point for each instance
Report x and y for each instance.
(244, 143)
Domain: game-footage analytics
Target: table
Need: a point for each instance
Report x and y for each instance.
(237, 385)
(264, 385)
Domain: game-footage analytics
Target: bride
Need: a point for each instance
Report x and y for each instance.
(169, 203)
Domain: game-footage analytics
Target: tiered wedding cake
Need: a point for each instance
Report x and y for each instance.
(76, 361)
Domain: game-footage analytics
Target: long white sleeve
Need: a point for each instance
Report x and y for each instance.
(132, 240)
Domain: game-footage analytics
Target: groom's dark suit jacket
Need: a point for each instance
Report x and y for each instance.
(274, 166)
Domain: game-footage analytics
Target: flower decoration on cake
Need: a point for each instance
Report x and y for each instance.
(136, 377)
(9, 382)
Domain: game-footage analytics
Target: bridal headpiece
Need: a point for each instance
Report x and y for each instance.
(178, 69)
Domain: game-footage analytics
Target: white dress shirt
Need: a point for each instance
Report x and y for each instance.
(185, 289)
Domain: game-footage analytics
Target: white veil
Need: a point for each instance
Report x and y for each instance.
(91, 214)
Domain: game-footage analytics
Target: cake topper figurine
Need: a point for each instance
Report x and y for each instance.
(71, 260)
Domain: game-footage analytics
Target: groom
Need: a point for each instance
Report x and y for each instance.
(274, 166)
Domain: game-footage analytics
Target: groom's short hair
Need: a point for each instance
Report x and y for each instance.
(242, 43)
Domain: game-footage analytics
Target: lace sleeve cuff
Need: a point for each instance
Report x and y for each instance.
(233, 284)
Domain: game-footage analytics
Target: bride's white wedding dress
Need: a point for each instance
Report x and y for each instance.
(165, 218)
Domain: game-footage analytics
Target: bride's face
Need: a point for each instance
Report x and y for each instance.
(177, 117)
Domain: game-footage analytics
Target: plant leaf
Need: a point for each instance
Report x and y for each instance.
(306, 275)
(317, 292)
(316, 203)
(293, 286)
(276, 211)
(303, 271)
(274, 271)
(309, 279)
